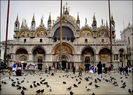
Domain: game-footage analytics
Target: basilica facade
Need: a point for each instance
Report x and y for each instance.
(40, 45)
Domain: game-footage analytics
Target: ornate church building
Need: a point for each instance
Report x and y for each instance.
(40, 45)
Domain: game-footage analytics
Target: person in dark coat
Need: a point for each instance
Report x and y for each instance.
(73, 69)
(49, 69)
(99, 66)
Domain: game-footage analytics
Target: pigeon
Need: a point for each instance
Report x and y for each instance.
(64, 82)
(34, 81)
(38, 91)
(123, 86)
(47, 85)
(52, 74)
(75, 85)
(90, 83)
(93, 93)
(129, 90)
(30, 86)
(24, 88)
(42, 90)
(99, 79)
(79, 82)
(35, 85)
(69, 88)
(19, 87)
(12, 80)
(22, 92)
(80, 78)
(0, 87)
(115, 84)
(71, 93)
(96, 86)
(86, 79)
(13, 84)
(87, 89)
(95, 81)
(76, 79)
(4, 82)
(22, 81)
(38, 84)
(124, 83)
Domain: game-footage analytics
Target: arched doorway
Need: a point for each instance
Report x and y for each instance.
(38, 56)
(87, 55)
(122, 57)
(22, 55)
(104, 55)
(67, 54)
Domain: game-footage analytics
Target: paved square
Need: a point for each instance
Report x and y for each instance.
(56, 83)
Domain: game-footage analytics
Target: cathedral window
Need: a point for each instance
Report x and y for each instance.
(16, 25)
(103, 40)
(128, 40)
(40, 40)
(24, 40)
(86, 40)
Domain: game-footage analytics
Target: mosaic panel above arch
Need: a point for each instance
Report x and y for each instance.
(65, 49)
(41, 33)
(86, 33)
(104, 55)
(25, 34)
(103, 33)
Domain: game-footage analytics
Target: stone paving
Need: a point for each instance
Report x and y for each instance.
(56, 84)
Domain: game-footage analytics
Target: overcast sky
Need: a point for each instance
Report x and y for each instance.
(121, 11)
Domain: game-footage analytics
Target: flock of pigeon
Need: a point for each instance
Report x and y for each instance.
(18, 82)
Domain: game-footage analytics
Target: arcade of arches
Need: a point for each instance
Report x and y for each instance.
(88, 56)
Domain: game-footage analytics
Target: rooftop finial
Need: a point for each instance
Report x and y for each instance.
(41, 24)
(49, 17)
(85, 21)
(102, 21)
(66, 11)
(33, 18)
(78, 16)
(94, 18)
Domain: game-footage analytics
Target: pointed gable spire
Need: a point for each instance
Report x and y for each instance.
(41, 24)
(94, 23)
(49, 19)
(94, 18)
(22, 25)
(85, 21)
(78, 16)
(33, 18)
(66, 11)
(106, 23)
(17, 19)
(102, 22)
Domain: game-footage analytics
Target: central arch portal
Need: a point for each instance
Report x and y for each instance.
(67, 54)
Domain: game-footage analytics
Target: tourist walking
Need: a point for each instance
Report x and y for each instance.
(99, 66)
(80, 70)
(73, 69)
(49, 69)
